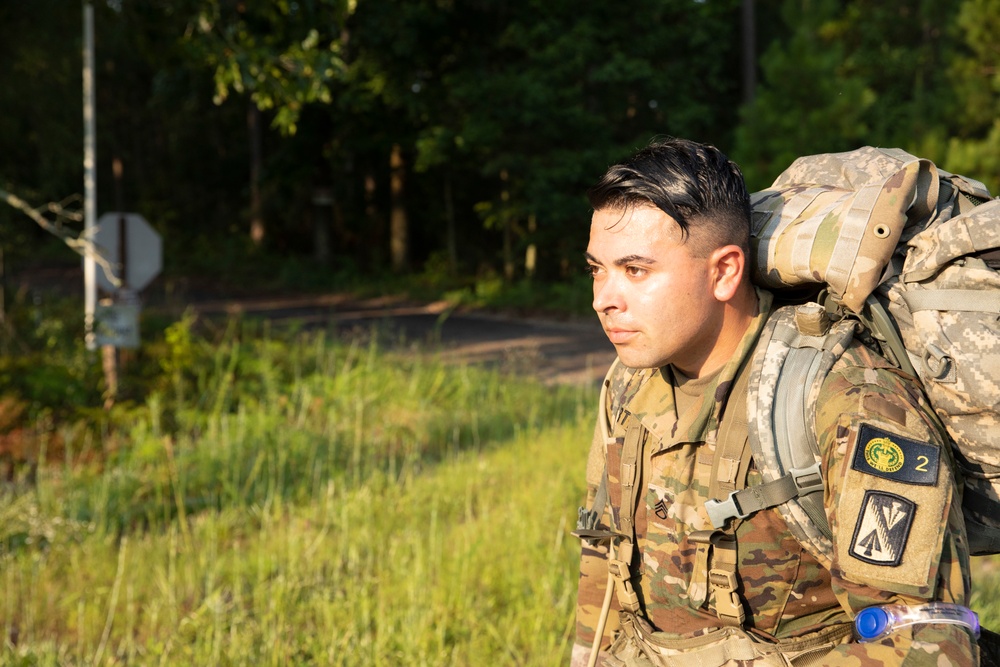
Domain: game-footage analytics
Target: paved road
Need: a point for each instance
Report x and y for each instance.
(553, 351)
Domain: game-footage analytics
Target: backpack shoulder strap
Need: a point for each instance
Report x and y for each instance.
(588, 520)
(796, 351)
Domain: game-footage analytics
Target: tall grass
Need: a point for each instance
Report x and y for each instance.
(291, 500)
(286, 499)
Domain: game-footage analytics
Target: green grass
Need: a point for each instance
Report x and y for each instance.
(298, 501)
(281, 498)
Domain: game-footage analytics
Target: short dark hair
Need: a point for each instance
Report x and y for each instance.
(690, 182)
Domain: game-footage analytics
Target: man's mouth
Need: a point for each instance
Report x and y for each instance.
(619, 336)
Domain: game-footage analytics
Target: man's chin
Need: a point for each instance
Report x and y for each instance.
(633, 359)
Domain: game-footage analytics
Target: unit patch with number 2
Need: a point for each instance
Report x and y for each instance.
(892, 457)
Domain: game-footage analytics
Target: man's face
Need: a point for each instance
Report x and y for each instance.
(654, 297)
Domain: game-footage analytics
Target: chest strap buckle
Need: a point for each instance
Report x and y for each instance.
(741, 504)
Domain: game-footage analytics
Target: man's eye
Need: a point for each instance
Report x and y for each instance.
(591, 270)
(635, 271)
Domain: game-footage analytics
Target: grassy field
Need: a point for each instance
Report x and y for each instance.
(286, 499)
(297, 501)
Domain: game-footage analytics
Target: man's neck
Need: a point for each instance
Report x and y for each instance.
(737, 316)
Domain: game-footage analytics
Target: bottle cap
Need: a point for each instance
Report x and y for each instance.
(871, 622)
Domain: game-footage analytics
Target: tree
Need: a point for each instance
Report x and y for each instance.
(864, 72)
(283, 55)
(974, 147)
(807, 103)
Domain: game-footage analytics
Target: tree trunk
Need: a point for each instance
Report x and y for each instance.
(256, 213)
(531, 253)
(749, 52)
(449, 215)
(375, 238)
(508, 231)
(399, 241)
(323, 204)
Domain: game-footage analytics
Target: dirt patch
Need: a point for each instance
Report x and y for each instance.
(553, 351)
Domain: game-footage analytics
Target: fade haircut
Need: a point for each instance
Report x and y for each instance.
(695, 184)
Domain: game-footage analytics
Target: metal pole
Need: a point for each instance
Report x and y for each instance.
(89, 176)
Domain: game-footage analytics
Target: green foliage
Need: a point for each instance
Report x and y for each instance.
(43, 361)
(909, 74)
(974, 147)
(272, 52)
(305, 502)
(502, 115)
(808, 103)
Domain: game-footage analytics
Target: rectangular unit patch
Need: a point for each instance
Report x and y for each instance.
(890, 456)
(883, 528)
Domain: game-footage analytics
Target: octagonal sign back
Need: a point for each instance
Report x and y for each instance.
(128, 237)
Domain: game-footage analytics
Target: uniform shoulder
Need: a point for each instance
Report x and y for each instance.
(865, 381)
(860, 365)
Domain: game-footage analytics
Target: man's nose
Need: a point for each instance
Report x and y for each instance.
(607, 295)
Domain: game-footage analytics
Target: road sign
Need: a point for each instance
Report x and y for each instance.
(117, 324)
(127, 240)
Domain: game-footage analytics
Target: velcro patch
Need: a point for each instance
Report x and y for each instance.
(883, 528)
(892, 457)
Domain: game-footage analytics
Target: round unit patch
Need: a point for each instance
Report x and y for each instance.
(884, 455)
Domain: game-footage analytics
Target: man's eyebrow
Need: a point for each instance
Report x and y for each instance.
(622, 261)
(634, 259)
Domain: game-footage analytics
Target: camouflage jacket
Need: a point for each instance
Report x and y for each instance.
(786, 591)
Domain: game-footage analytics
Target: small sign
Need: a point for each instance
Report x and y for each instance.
(117, 324)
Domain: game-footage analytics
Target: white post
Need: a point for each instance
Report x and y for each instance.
(89, 176)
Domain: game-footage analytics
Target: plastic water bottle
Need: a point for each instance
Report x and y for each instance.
(874, 623)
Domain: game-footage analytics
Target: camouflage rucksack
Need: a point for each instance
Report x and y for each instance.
(879, 244)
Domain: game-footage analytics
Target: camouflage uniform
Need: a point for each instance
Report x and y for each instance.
(787, 592)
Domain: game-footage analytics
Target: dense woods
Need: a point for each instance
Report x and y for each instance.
(457, 137)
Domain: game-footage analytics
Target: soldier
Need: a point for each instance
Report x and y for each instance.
(668, 251)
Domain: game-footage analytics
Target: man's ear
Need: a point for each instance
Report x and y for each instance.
(727, 264)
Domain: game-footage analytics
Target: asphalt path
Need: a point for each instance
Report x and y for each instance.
(553, 351)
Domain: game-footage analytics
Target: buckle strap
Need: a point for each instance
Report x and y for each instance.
(629, 475)
(796, 482)
(618, 568)
(588, 520)
(724, 582)
(728, 606)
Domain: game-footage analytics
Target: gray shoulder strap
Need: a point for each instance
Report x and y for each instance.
(796, 351)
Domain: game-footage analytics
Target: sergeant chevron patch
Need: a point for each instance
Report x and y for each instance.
(883, 528)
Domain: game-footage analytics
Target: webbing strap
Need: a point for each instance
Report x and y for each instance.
(732, 456)
(619, 567)
(629, 476)
(714, 571)
(741, 504)
(588, 520)
(620, 571)
(722, 577)
(984, 301)
(852, 233)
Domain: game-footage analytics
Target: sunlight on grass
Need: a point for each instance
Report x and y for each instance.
(288, 499)
(305, 502)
